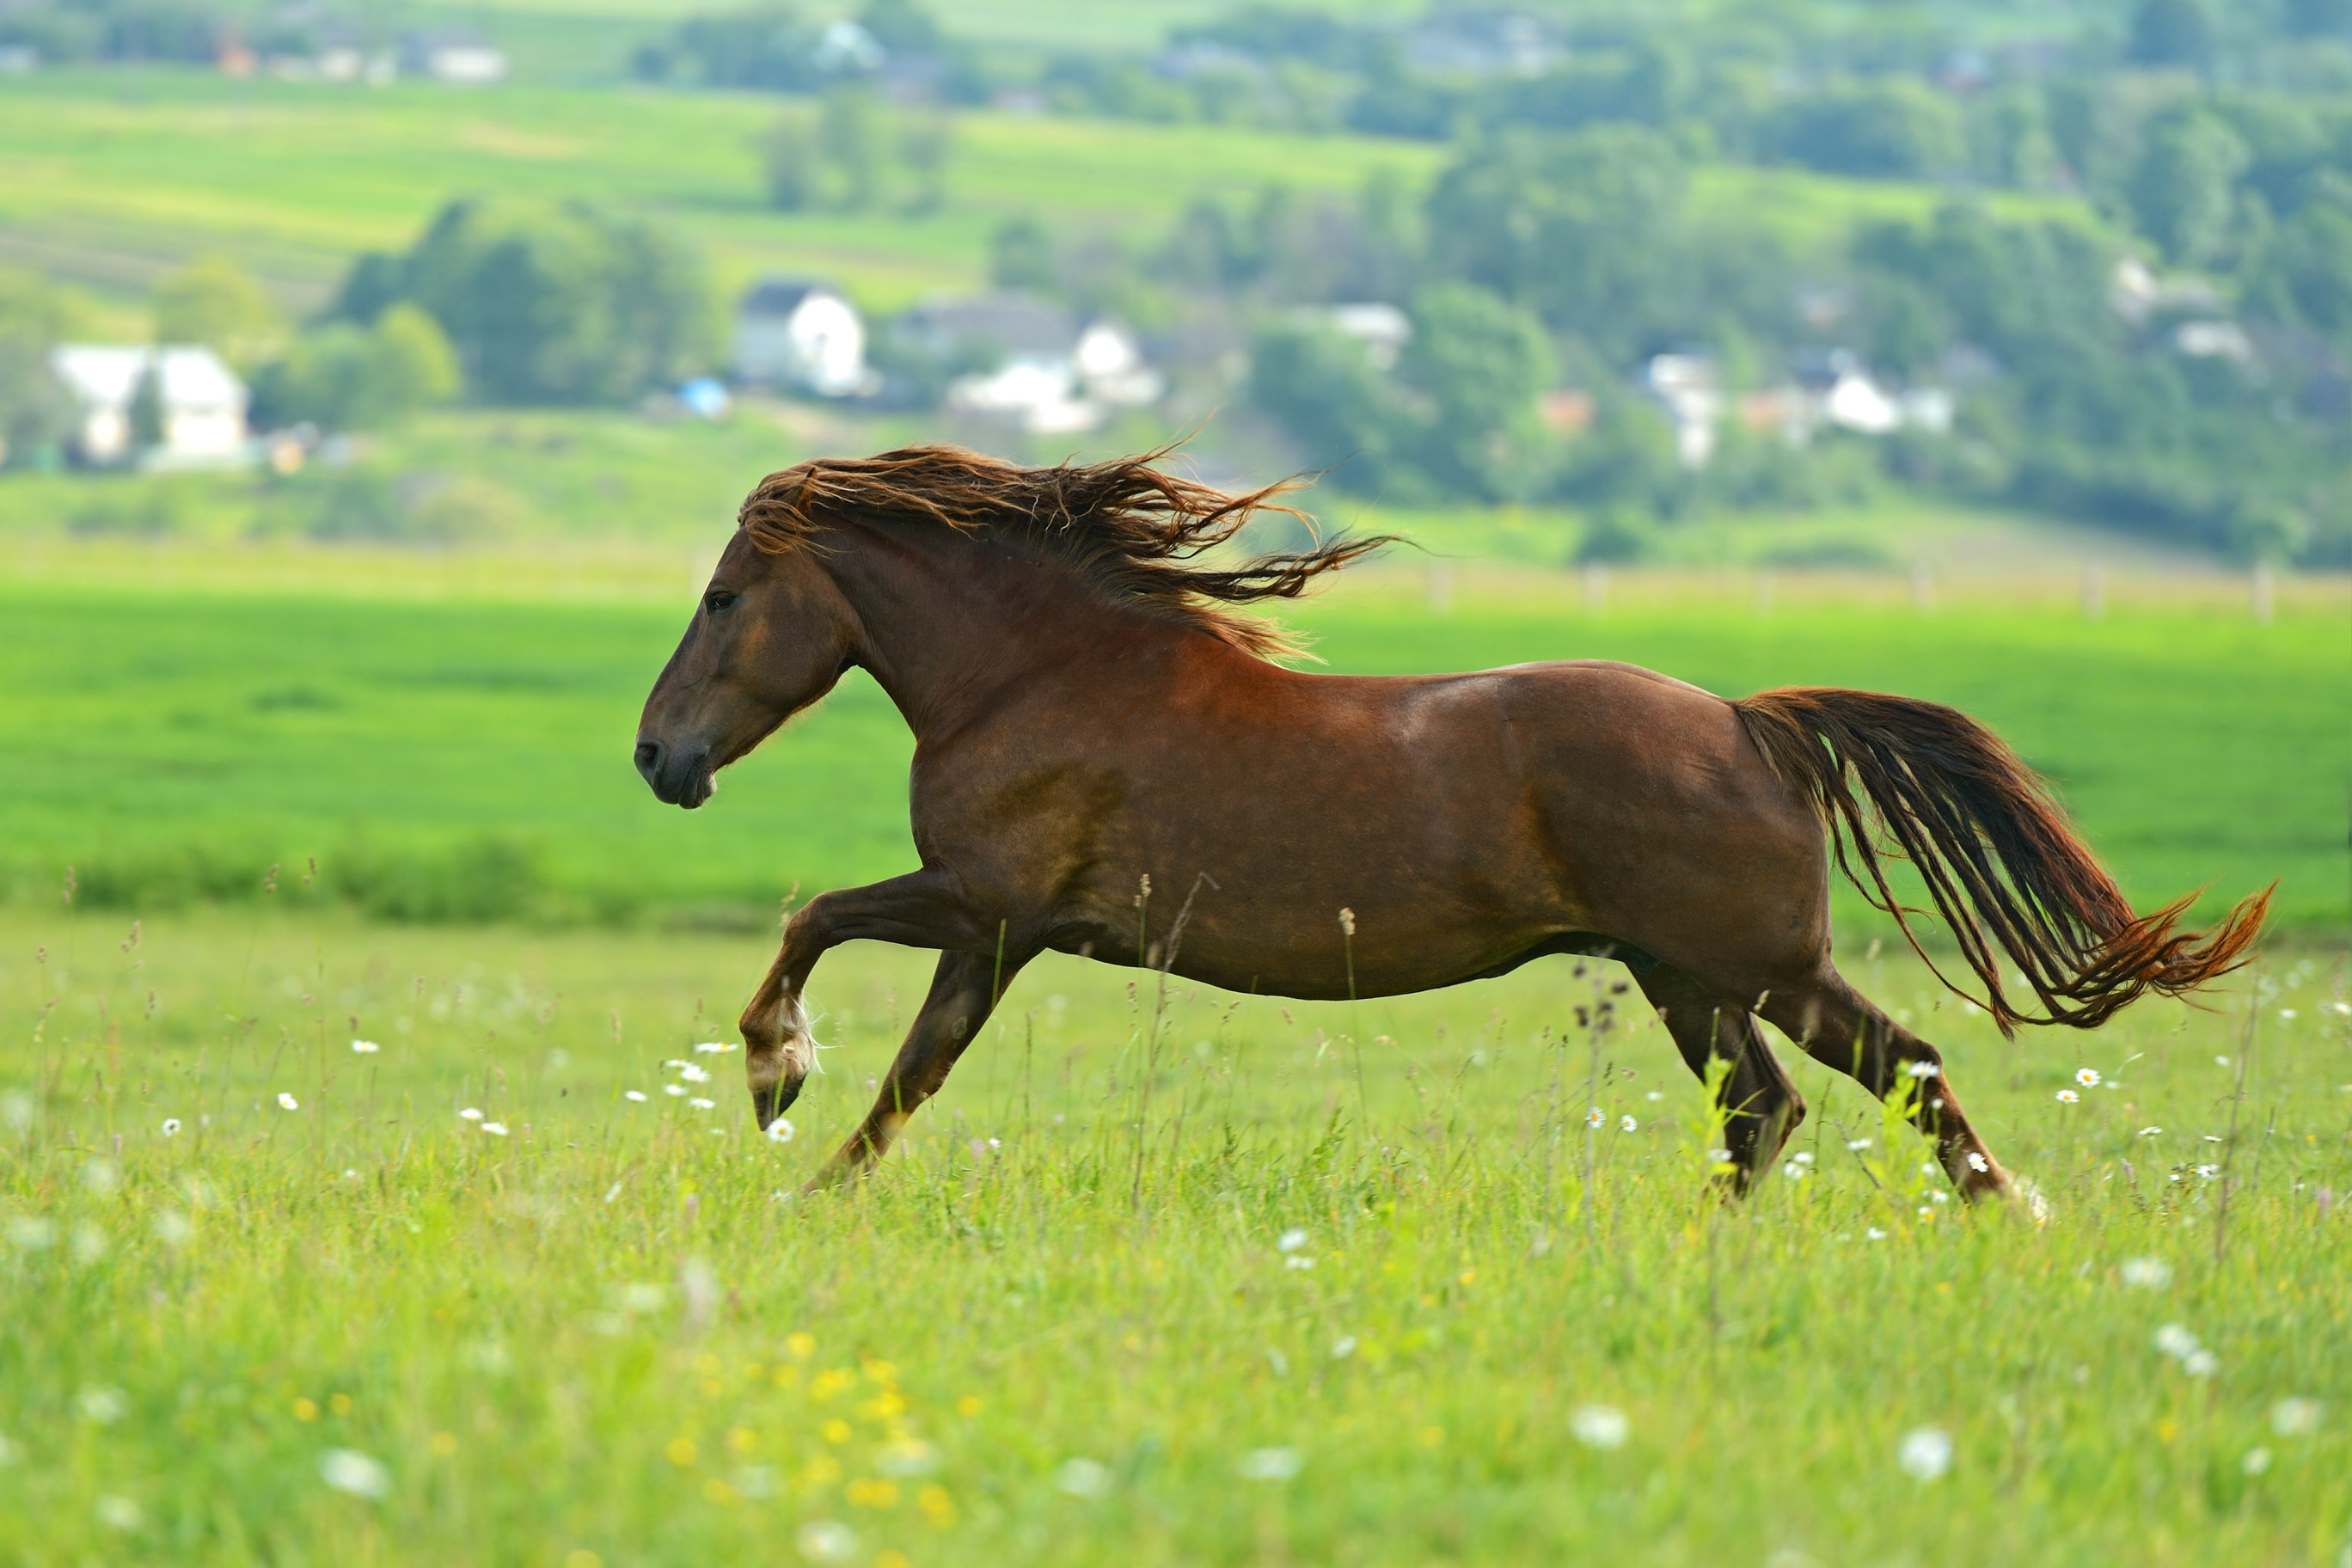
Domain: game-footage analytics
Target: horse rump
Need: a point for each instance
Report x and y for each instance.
(2006, 872)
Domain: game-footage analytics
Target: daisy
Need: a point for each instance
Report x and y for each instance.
(495, 1129)
(288, 1102)
(693, 1074)
(700, 1104)
(2087, 1077)
(636, 1094)
(365, 1047)
(780, 1130)
(1595, 1117)
(2068, 1097)
(1626, 1124)
(675, 1090)
(1978, 1161)
(171, 1127)
(1923, 1069)
(469, 1114)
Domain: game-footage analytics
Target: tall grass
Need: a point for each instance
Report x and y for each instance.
(1269, 1312)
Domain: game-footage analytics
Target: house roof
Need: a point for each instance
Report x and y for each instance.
(780, 295)
(1016, 324)
(108, 375)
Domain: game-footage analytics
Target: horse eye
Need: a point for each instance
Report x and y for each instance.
(718, 599)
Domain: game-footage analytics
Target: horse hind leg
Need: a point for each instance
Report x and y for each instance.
(1839, 1029)
(1760, 1104)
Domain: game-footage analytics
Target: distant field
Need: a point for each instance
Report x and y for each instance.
(174, 740)
(113, 177)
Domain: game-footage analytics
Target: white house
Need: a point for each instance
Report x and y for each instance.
(1052, 375)
(1690, 387)
(199, 408)
(803, 334)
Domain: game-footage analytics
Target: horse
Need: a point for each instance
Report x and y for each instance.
(1096, 715)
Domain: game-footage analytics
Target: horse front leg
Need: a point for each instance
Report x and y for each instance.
(922, 908)
(964, 992)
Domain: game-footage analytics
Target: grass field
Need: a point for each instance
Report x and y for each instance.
(1216, 1281)
(449, 735)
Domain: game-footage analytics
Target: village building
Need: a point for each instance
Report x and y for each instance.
(803, 334)
(174, 406)
(1049, 372)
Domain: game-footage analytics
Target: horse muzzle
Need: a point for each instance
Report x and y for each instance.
(677, 777)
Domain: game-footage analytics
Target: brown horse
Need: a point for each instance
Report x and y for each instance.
(1108, 763)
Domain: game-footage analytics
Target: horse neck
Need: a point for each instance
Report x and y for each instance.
(946, 621)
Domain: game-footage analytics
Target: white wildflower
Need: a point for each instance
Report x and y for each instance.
(1857, 1145)
(2087, 1077)
(2147, 1274)
(712, 1049)
(288, 1102)
(495, 1129)
(1269, 1464)
(826, 1541)
(637, 1095)
(2174, 1341)
(1925, 1453)
(348, 1471)
(780, 1130)
(365, 1047)
(675, 1090)
(2201, 1363)
(171, 1127)
(701, 1104)
(2295, 1417)
(2068, 1097)
(1291, 1240)
(1086, 1479)
(2150, 1132)
(693, 1074)
(469, 1114)
(1978, 1161)
(1595, 1117)
(1600, 1425)
(1923, 1069)
(1627, 1124)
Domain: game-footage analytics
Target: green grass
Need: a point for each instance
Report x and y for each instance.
(609, 1337)
(175, 733)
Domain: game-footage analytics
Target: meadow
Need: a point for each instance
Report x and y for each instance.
(446, 735)
(1163, 1277)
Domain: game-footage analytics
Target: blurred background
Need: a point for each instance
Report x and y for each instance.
(378, 379)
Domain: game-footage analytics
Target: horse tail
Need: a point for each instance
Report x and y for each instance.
(2002, 865)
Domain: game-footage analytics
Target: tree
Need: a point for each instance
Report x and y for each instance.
(1896, 128)
(850, 137)
(1021, 255)
(2182, 190)
(217, 303)
(1480, 362)
(343, 376)
(1321, 387)
(2306, 274)
(548, 303)
(1587, 230)
(788, 156)
(2171, 33)
(2318, 18)
(35, 411)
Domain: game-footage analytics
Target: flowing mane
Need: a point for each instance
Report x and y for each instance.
(1130, 528)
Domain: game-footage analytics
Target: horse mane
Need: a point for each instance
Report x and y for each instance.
(1130, 528)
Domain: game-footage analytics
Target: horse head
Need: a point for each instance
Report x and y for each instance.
(770, 635)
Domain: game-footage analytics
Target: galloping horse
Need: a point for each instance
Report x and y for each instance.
(1090, 711)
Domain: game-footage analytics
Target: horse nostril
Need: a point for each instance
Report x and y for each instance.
(648, 757)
